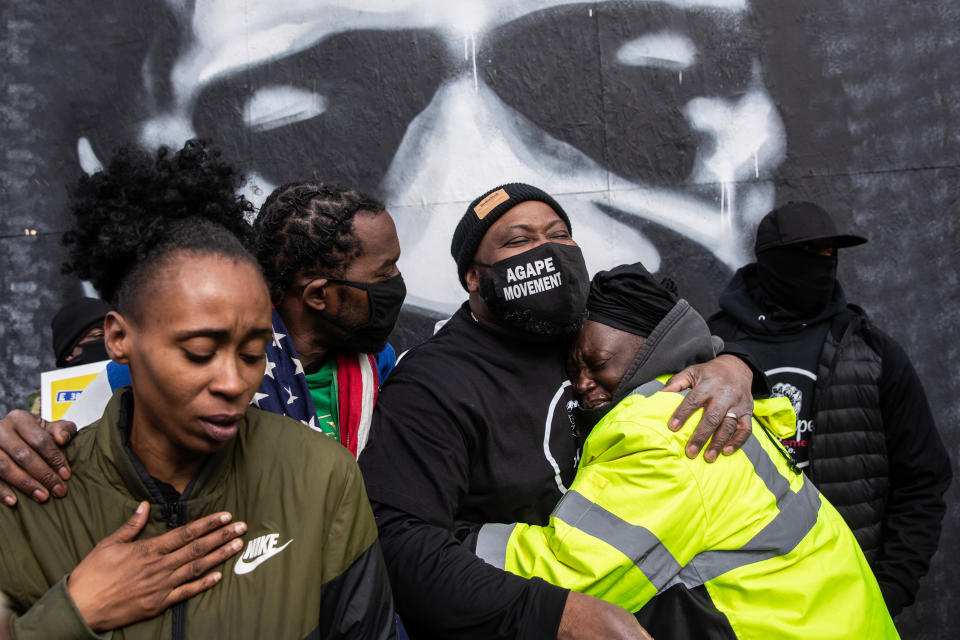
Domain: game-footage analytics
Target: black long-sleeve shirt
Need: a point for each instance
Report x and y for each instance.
(471, 427)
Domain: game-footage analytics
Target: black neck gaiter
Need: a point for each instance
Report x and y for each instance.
(796, 280)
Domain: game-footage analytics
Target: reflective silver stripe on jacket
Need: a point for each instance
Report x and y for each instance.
(492, 543)
(796, 518)
(637, 543)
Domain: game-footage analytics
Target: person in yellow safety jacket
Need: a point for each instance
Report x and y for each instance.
(745, 547)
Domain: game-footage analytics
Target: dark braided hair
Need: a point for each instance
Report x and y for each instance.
(134, 215)
(308, 227)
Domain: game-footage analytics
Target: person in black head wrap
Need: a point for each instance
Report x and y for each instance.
(677, 541)
(629, 298)
(628, 307)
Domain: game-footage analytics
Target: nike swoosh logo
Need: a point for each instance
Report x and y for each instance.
(242, 567)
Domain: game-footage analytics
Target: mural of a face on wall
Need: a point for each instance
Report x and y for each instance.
(648, 121)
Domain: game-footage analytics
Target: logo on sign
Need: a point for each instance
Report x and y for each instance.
(68, 396)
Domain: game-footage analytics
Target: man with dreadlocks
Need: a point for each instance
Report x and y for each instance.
(329, 256)
(330, 259)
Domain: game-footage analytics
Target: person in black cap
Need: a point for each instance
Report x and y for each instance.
(865, 434)
(473, 427)
(78, 332)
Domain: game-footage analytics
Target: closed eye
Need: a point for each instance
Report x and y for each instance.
(199, 358)
(514, 242)
(596, 365)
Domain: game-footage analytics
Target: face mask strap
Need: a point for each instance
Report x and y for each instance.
(349, 283)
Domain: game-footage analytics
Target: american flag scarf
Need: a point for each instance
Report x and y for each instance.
(284, 387)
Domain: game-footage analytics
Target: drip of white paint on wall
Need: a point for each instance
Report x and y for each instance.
(473, 45)
(590, 14)
(723, 201)
(466, 46)
(756, 164)
(89, 161)
(728, 190)
(681, 77)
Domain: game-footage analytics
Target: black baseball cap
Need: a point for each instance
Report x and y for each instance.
(795, 222)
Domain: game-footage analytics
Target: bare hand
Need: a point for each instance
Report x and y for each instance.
(30, 456)
(122, 581)
(721, 386)
(589, 618)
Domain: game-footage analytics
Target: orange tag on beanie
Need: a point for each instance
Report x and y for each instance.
(490, 203)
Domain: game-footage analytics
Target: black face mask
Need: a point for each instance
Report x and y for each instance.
(92, 351)
(385, 299)
(796, 280)
(542, 291)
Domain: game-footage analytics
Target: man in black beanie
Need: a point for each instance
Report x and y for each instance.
(473, 427)
(865, 434)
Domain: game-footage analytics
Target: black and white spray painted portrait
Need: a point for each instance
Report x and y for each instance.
(648, 120)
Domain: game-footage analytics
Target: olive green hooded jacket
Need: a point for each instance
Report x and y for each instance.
(311, 566)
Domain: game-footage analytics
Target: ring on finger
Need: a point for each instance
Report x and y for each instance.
(731, 414)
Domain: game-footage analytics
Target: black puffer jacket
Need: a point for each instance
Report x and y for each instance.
(876, 453)
(849, 423)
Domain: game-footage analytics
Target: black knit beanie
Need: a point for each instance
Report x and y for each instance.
(486, 210)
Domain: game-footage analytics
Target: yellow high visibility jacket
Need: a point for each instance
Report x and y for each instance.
(775, 557)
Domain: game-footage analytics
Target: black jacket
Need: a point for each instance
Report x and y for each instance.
(471, 427)
(876, 454)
